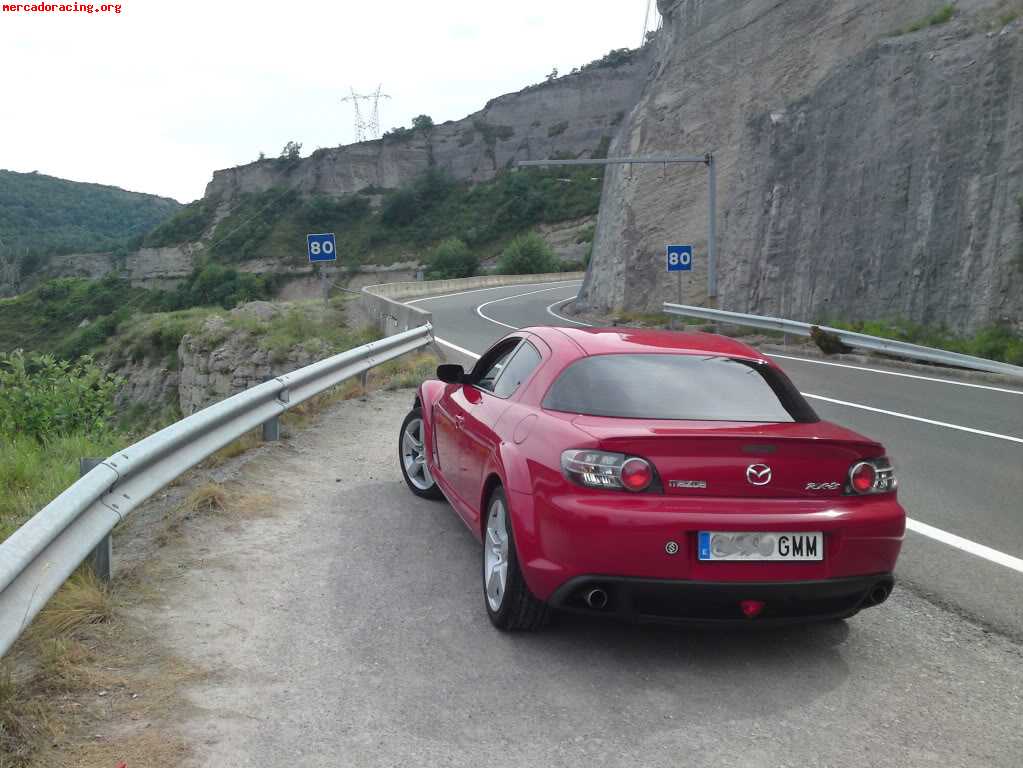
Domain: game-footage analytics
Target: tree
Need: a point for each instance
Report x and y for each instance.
(553, 75)
(262, 157)
(422, 123)
(452, 258)
(292, 151)
(527, 254)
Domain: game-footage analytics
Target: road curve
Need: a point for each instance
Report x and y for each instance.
(958, 450)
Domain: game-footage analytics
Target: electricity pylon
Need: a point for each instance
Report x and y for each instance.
(366, 127)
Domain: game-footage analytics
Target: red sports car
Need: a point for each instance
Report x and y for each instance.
(652, 475)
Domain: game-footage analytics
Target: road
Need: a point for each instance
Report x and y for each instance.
(960, 482)
(342, 624)
(342, 621)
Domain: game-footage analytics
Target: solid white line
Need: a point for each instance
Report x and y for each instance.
(965, 545)
(895, 373)
(559, 302)
(559, 283)
(921, 419)
(457, 348)
(951, 539)
(479, 309)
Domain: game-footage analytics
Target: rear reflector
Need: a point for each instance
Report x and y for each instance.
(636, 474)
(751, 608)
(872, 476)
(862, 477)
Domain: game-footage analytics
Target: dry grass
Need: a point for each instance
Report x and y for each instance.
(207, 498)
(243, 444)
(87, 685)
(83, 600)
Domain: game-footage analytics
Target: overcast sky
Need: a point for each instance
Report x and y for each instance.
(157, 97)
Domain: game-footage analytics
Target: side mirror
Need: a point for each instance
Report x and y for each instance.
(451, 374)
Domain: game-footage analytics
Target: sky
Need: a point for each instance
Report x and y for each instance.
(158, 96)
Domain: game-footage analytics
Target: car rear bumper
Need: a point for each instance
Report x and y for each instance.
(562, 537)
(717, 603)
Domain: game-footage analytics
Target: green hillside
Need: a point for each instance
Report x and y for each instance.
(43, 216)
(272, 224)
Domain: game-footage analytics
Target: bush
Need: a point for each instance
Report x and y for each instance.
(527, 255)
(451, 259)
(42, 397)
(217, 285)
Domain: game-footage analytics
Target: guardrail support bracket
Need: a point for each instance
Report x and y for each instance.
(102, 558)
(272, 430)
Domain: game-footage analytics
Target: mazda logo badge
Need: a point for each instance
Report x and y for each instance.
(758, 474)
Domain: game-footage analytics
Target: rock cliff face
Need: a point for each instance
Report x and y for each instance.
(219, 361)
(860, 174)
(574, 115)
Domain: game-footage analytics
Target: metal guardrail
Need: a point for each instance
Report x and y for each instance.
(849, 338)
(39, 557)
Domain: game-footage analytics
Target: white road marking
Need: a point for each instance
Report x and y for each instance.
(558, 303)
(457, 348)
(895, 373)
(965, 545)
(921, 419)
(560, 284)
(479, 309)
(951, 539)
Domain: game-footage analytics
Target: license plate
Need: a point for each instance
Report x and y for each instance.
(732, 545)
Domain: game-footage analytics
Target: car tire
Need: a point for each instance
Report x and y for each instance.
(412, 457)
(510, 605)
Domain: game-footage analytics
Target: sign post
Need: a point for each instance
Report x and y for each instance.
(322, 247)
(679, 259)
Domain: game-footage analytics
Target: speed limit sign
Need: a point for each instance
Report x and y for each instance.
(321, 247)
(680, 258)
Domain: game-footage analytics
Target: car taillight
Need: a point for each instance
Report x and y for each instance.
(636, 474)
(872, 476)
(601, 469)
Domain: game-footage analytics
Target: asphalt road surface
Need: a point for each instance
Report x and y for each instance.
(343, 621)
(343, 625)
(965, 483)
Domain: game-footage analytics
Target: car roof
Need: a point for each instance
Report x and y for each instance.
(605, 341)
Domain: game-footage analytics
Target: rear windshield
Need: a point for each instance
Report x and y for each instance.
(664, 386)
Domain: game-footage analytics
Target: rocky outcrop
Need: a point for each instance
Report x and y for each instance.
(146, 383)
(860, 174)
(572, 116)
(224, 359)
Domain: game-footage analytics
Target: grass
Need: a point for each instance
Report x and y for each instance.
(32, 473)
(643, 319)
(992, 343)
(941, 16)
(235, 448)
(82, 650)
(83, 600)
(155, 337)
(208, 498)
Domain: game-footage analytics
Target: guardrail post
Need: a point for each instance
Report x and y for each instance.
(271, 430)
(102, 557)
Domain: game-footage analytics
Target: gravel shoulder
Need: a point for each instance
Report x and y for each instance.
(340, 622)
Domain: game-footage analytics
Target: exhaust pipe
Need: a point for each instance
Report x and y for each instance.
(596, 599)
(878, 594)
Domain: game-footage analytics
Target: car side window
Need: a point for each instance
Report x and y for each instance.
(517, 370)
(490, 367)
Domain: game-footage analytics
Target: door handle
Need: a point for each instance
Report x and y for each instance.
(459, 421)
